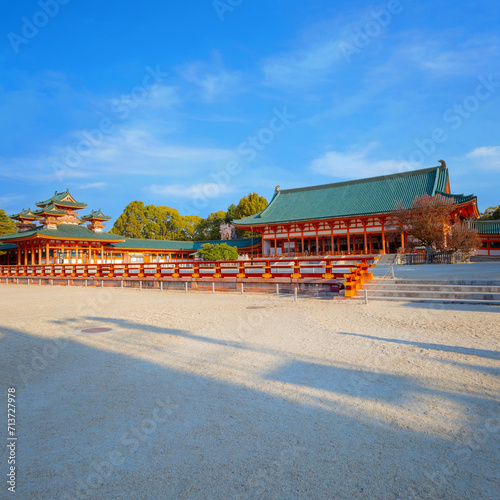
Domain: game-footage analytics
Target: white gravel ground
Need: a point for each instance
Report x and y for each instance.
(228, 396)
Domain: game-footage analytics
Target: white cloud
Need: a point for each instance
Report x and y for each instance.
(129, 152)
(212, 79)
(354, 165)
(486, 158)
(8, 200)
(304, 66)
(93, 185)
(208, 190)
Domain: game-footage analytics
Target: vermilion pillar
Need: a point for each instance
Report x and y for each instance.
(382, 221)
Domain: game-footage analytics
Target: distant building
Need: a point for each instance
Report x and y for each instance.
(54, 234)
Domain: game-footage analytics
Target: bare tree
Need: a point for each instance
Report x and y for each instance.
(463, 240)
(427, 220)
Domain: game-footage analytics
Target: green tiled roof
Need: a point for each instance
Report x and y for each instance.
(376, 195)
(143, 244)
(7, 246)
(50, 209)
(25, 214)
(65, 231)
(487, 226)
(95, 214)
(58, 197)
(459, 198)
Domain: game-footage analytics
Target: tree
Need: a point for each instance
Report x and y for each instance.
(189, 226)
(131, 221)
(227, 232)
(157, 223)
(429, 221)
(491, 213)
(231, 213)
(218, 252)
(426, 221)
(7, 225)
(250, 205)
(209, 228)
(463, 239)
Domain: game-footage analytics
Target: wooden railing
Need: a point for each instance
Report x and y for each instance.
(353, 271)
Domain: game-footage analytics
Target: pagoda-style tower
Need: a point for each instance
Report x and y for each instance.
(96, 219)
(60, 209)
(25, 220)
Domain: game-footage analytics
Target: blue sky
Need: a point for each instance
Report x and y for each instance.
(195, 104)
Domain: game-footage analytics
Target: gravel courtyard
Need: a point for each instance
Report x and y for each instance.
(248, 396)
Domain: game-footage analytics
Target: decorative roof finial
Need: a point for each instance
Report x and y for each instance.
(276, 189)
(443, 163)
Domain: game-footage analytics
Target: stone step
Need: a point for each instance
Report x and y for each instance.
(464, 282)
(372, 287)
(407, 294)
(433, 301)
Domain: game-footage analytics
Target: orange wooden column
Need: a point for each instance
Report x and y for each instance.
(331, 238)
(348, 223)
(364, 234)
(382, 222)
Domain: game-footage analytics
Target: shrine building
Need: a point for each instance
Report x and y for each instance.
(354, 217)
(54, 234)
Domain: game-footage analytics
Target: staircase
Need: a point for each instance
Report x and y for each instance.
(485, 292)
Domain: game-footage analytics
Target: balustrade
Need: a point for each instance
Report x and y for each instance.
(354, 270)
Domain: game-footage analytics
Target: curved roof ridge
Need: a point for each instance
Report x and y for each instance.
(361, 181)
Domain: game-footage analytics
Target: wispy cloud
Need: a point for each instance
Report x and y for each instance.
(302, 67)
(441, 56)
(7, 200)
(209, 190)
(353, 164)
(321, 52)
(93, 185)
(128, 152)
(213, 81)
(486, 158)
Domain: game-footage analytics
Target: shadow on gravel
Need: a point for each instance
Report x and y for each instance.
(483, 353)
(95, 423)
(441, 306)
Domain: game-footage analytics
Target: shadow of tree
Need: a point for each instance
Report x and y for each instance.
(218, 439)
(483, 353)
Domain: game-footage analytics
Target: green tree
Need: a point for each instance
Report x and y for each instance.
(189, 226)
(218, 252)
(250, 205)
(231, 213)
(209, 228)
(162, 223)
(7, 225)
(155, 222)
(131, 221)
